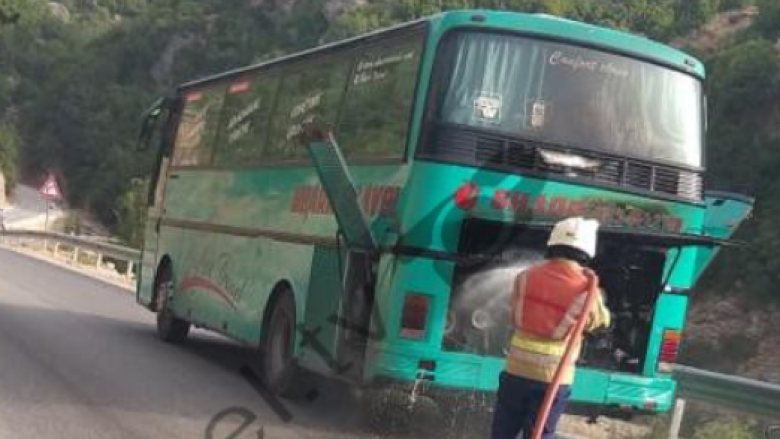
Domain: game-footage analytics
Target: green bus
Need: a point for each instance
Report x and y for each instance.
(359, 210)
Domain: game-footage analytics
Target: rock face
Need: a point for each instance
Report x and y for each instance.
(765, 365)
(720, 28)
(333, 8)
(725, 334)
(60, 11)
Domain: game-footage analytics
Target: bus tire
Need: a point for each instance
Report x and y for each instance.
(170, 328)
(280, 371)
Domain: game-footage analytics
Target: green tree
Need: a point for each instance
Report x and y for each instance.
(769, 18)
(744, 79)
(131, 212)
(9, 153)
(721, 429)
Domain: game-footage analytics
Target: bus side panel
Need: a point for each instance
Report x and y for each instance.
(224, 281)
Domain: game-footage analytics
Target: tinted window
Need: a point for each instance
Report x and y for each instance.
(198, 126)
(309, 91)
(245, 119)
(375, 117)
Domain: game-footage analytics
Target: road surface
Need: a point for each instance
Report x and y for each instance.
(78, 359)
(27, 205)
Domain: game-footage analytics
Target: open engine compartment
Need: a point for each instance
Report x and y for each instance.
(494, 253)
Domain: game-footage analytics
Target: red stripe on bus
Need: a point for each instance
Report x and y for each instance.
(207, 285)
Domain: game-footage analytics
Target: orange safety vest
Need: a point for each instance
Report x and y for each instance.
(548, 300)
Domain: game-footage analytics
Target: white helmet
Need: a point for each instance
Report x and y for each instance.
(578, 232)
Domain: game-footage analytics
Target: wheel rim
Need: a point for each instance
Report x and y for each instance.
(280, 341)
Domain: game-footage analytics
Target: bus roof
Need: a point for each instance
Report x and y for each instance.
(554, 27)
(543, 25)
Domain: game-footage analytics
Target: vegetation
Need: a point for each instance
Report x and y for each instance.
(726, 428)
(76, 75)
(9, 152)
(744, 152)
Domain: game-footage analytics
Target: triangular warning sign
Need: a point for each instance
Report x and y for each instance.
(50, 189)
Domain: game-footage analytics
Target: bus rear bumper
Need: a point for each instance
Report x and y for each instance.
(472, 380)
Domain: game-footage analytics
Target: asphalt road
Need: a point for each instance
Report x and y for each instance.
(27, 205)
(79, 359)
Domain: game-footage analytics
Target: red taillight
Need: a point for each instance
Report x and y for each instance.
(670, 348)
(466, 196)
(427, 365)
(414, 316)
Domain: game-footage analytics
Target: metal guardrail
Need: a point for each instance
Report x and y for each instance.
(100, 249)
(741, 394)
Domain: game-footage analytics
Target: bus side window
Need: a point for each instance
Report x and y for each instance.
(198, 126)
(377, 108)
(310, 91)
(244, 128)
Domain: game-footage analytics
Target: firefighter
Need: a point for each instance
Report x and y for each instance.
(547, 300)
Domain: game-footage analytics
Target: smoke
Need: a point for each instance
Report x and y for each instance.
(489, 290)
(478, 320)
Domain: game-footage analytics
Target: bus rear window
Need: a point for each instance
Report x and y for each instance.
(570, 96)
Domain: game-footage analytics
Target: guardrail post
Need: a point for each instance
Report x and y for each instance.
(56, 248)
(99, 260)
(677, 417)
(129, 271)
(75, 259)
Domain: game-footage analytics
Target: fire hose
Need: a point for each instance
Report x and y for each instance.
(574, 340)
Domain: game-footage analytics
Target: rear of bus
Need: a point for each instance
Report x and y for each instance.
(523, 120)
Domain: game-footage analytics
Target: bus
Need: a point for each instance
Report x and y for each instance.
(358, 211)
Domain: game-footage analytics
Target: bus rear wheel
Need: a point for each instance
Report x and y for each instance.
(169, 327)
(281, 372)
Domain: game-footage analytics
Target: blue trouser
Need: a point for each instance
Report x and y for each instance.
(519, 401)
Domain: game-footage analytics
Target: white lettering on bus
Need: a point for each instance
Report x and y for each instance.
(244, 113)
(575, 63)
(372, 70)
(239, 132)
(308, 104)
(612, 69)
(296, 129)
(578, 62)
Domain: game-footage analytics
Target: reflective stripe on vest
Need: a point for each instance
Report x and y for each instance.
(533, 358)
(570, 318)
(549, 299)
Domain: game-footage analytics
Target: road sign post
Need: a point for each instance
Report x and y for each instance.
(50, 191)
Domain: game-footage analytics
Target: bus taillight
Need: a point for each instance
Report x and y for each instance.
(414, 316)
(466, 196)
(670, 348)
